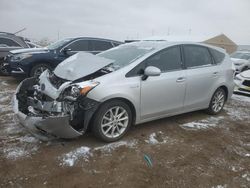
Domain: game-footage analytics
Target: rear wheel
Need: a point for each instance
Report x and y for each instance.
(37, 70)
(112, 121)
(217, 102)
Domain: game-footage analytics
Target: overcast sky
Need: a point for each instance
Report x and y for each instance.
(126, 19)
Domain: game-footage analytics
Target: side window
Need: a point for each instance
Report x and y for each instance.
(166, 60)
(101, 45)
(79, 45)
(196, 56)
(218, 56)
(5, 42)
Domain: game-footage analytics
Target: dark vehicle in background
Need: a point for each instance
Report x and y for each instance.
(8, 42)
(32, 62)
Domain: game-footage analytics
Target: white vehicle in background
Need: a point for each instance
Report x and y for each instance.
(241, 60)
(242, 82)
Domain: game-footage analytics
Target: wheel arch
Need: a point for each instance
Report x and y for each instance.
(225, 88)
(36, 63)
(128, 102)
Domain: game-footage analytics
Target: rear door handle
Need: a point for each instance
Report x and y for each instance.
(181, 79)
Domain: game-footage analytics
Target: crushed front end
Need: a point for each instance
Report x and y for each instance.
(54, 106)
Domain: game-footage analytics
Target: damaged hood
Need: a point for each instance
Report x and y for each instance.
(80, 65)
(245, 74)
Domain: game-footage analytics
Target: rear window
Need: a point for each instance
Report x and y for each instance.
(218, 56)
(196, 56)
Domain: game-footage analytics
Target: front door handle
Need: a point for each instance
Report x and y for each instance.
(181, 79)
(215, 74)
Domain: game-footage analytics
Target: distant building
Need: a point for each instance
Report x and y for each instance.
(222, 41)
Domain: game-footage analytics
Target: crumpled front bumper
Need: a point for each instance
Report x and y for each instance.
(57, 126)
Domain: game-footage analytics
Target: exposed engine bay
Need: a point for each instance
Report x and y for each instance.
(57, 102)
(33, 102)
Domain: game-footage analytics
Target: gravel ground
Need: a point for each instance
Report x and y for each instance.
(190, 150)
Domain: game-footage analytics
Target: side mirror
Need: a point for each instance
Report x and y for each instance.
(151, 71)
(67, 51)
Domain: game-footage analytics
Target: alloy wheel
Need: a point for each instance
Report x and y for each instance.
(218, 101)
(114, 122)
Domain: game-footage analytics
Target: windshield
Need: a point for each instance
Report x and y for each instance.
(125, 54)
(58, 44)
(239, 55)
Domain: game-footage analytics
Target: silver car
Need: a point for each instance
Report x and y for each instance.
(130, 84)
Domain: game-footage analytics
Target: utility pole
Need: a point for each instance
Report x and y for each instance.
(58, 34)
(189, 31)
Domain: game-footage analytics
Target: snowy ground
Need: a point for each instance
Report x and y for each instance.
(190, 150)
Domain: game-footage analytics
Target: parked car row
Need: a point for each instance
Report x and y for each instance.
(129, 84)
(241, 60)
(32, 62)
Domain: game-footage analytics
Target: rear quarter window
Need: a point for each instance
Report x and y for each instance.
(218, 56)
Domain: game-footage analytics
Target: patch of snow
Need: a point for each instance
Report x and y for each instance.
(203, 124)
(15, 152)
(70, 158)
(112, 146)
(237, 114)
(28, 139)
(152, 139)
(157, 138)
(246, 176)
(4, 99)
(220, 186)
(241, 98)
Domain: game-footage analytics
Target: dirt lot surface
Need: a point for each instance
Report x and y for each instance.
(190, 150)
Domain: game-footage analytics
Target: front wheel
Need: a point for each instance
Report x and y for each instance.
(112, 121)
(217, 102)
(37, 70)
(3, 69)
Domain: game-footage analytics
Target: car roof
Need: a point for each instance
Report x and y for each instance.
(95, 38)
(158, 45)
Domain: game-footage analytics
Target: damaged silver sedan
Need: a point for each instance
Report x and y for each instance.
(129, 84)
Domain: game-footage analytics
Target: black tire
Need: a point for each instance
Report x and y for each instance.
(3, 69)
(35, 70)
(211, 109)
(98, 118)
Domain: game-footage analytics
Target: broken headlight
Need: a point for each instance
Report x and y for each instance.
(74, 91)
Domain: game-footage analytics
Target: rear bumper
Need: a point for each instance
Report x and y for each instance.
(57, 126)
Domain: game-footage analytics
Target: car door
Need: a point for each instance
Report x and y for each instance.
(79, 45)
(164, 94)
(202, 76)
